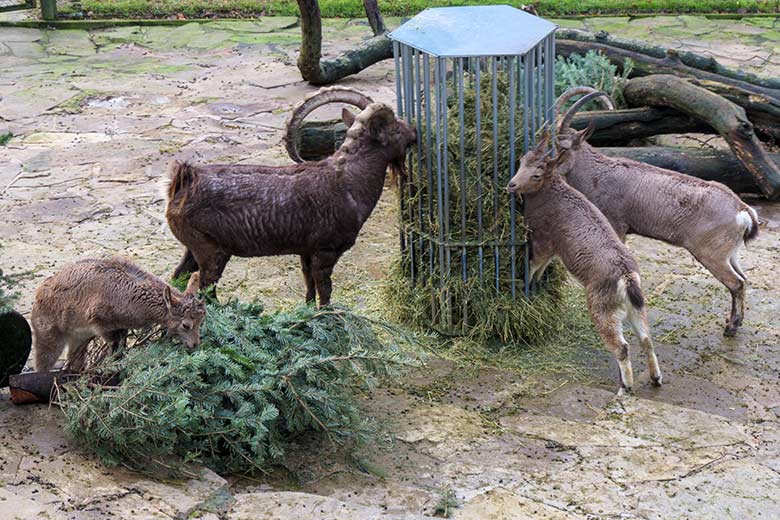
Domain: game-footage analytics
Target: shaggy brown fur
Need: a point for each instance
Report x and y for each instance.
(312, 209)
(564, 224)
(105, 297)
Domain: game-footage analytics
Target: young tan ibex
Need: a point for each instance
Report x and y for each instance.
(704, 217)
(104, 298)
(564, 224)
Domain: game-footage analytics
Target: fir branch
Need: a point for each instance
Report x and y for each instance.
(256, 381)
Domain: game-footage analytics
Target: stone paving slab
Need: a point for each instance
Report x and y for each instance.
(97, 117)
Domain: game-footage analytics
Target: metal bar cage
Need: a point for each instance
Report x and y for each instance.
(475, 117)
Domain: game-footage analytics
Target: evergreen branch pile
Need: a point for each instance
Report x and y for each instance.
(592, 70)
(256, 381)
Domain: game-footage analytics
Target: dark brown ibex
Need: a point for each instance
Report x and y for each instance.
(704, 217)
(564, 224)
(312, 209)
(104, 297)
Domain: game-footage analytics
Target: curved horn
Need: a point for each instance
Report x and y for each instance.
(606, 101)
(311, 103)
(564, 124)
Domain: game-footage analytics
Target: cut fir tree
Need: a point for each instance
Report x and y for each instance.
(257, 381)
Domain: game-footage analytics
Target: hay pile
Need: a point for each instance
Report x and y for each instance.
(256, 382)
(479, 304)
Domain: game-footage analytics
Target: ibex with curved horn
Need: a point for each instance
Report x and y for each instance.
(311, 209)
(704, 217)
(564, 224)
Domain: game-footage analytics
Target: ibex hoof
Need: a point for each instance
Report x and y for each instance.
(730, 330)
(657, 380)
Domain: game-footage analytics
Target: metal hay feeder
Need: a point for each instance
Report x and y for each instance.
(500, 61)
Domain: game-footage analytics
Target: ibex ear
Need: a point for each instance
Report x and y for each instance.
(193, 285)
(167, 298)
(378, 123)
(348, 117)
(583, 135)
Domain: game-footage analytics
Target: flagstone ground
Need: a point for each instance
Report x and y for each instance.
(97, 115)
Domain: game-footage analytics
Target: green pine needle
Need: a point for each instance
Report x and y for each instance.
(256, 381)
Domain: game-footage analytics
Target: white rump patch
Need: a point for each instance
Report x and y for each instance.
(744, 219)
(621, 289)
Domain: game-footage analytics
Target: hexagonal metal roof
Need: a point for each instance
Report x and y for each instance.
(490, 30)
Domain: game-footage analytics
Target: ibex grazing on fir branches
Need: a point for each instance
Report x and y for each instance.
(312, 209)
(105, 297)
(564, 224)
(704, 217)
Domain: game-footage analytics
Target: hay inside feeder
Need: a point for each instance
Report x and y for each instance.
(466, 286)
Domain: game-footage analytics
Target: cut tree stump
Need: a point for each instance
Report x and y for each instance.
(728, 119)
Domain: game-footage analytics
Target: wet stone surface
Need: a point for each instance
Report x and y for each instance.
(96, 117)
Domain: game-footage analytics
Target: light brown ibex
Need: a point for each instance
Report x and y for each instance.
(104, 297)
(313, 209)
(704, 217)
(564, 224)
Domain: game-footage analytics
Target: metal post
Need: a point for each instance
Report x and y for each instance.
(428, 158)
(512, 202)
(407, 238)
(494, 81)
(528, 91)
(439, 180)
(478, 92)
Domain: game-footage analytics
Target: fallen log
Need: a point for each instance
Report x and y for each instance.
(707, 164)
(619, 127)
(653, 59)
(317, 71)
(762, 110)
(39, 387)
(319, 139)
(728, 119)
(36, 387)
(613, 127)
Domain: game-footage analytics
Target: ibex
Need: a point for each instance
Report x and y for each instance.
(704, 217)
(312, 209)
(104, 297)
(564, 224)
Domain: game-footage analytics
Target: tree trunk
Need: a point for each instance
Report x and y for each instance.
(762, 110)
(728, 119)
(707, 164)
(317, 71)
(374, 16)
(320, 139)
(653, 59)
(36, 387)
(619, 127)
